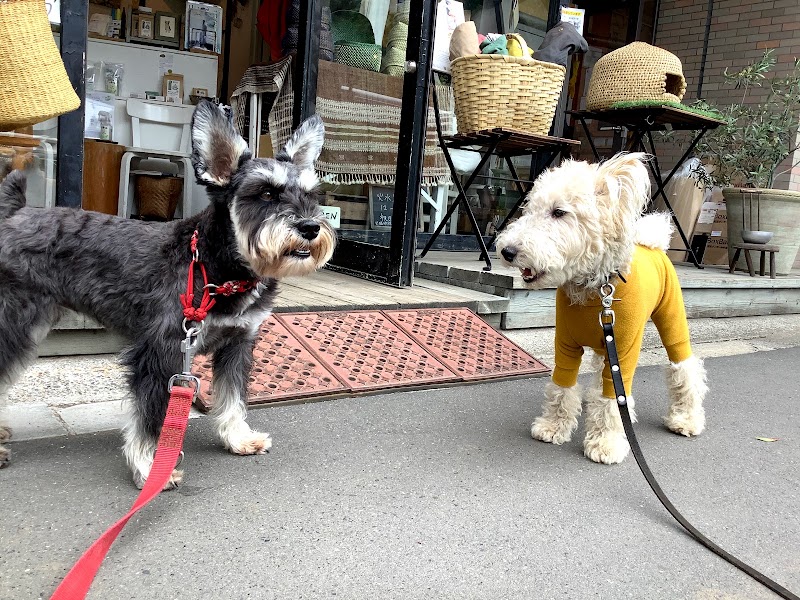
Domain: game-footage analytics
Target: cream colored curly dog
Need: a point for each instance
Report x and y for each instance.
(582, 226)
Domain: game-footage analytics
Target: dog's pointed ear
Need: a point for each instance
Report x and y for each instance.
(217, 149)
(624, 179)
(305, 145)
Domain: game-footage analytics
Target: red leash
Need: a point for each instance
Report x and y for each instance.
(76, 584)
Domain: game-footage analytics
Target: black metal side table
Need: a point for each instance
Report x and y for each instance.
(642, 122)
(506, 144)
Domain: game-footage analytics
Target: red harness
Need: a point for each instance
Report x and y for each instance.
(226, 289)
(76, 584)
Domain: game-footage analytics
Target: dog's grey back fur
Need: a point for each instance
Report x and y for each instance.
(12, 193)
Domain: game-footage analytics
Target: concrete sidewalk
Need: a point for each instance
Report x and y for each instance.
(427, 495)
(84, 394)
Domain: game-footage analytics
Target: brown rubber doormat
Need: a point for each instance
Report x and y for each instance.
(319, 354)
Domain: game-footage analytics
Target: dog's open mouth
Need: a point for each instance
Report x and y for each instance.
(301, 253)
(529, 276)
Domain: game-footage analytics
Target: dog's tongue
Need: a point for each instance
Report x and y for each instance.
(527, 273)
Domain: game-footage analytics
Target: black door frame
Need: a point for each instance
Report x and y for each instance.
(69, 163)
(393, 265)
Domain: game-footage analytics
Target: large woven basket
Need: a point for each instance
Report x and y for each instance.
(505, 91)
(158, 196)
(33, 82)
(637, 71)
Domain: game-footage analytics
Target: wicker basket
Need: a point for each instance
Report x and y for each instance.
(33, 82)
(505, 91)
(637, 71)
(157, 196)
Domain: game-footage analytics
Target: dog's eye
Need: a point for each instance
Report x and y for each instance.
(267, 196)
(558, 213)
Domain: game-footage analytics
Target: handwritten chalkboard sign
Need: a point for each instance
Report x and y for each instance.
(381, 205)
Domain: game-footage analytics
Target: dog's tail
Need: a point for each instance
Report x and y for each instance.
(12, 193)
(654, 230)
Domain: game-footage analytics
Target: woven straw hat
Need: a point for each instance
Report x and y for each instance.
(351, 26)
(33, 82)
(634, 72)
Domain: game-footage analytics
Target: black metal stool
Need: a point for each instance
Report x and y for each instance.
(642, 122)
(505, 143)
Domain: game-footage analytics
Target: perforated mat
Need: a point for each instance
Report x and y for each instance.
(305, 355)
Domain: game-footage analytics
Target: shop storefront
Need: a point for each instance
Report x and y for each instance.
(368, 67)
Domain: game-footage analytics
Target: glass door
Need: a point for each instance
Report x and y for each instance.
(371, 60)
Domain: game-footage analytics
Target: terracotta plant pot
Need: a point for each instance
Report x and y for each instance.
(777, 211)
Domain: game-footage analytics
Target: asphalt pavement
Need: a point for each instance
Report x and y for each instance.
(429, 494)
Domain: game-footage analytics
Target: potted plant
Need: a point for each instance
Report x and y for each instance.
(745, 156)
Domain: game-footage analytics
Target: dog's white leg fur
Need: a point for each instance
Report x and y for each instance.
(229, 413)
(605, 440)
(560, 411)
(139, 451)
(687, 389)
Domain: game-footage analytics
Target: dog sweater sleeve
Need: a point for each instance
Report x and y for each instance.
(669, 316)
(568, 351)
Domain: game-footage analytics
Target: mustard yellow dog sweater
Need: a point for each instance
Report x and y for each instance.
(652, 291)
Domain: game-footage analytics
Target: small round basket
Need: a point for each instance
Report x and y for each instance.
(492, 90)
(158, 196)
(634, 72)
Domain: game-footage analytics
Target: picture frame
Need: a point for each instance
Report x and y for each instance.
(146, 27)
(134, 25)
(167, 28)
(172, 88)
(203, 27)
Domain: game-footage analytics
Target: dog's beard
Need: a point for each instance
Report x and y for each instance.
(280, 251)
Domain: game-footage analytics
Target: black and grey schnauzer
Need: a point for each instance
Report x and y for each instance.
(263, 223)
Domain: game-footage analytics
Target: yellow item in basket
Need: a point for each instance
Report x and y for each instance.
(517, 46)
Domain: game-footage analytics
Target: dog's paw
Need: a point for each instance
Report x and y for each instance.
(609, 449)
(5, 456)
(5, 433)
(552, 432)
(174, 480)
(686, 424)
(251, 442)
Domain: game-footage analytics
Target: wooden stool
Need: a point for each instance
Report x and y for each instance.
(763, 248)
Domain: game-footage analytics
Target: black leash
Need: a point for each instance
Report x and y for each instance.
(607, 322)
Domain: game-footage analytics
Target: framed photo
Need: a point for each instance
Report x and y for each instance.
(146, 27)
(172, 88)
(167, 28)
(134, 25)
(203, 27)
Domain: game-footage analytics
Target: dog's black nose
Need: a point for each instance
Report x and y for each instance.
(308, 229)
(509, 253)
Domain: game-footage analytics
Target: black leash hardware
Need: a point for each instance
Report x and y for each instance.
(607, 323)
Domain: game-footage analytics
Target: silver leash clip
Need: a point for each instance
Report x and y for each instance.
(607, 300)
(188, 349)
